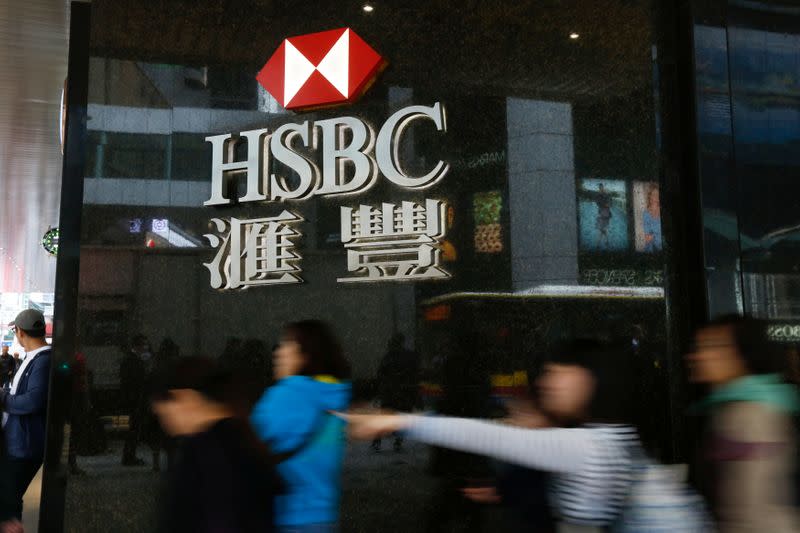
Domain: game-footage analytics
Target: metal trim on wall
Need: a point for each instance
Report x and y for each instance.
(51, 514)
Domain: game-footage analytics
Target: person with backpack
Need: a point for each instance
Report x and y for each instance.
(293, 418)
(585, 388)
(223, 477)
(749, 457)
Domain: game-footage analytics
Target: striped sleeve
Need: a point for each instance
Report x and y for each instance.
(561, 450)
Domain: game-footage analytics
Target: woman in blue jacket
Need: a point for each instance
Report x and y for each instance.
(293, 418)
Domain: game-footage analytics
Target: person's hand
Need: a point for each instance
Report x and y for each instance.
(523, 414)
(11, 526)
(481, 494)
(368, 427)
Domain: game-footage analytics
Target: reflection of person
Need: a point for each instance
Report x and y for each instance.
(651, 221)
(750, 454)
(397, 382)
(292, 417)
(603, 201)
(465, 393)
(223, 478)
(80, 407)
(132, 381)
(521, 491)
(168, 352)
(24, 406)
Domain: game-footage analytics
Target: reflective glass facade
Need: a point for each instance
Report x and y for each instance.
(553, 132)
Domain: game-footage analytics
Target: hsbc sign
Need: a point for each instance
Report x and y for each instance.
(366, 152)
(320, 69)
(336, 156)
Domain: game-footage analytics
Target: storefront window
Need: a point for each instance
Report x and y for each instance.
(749, 129)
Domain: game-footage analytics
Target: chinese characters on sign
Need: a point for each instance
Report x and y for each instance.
(390, 242)
(254, 252)
(394, 242)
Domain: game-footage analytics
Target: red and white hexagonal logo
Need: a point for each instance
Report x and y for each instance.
(320, 69)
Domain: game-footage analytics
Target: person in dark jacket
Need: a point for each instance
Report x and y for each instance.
(165, 358)
(24, 408)
(398, 385)
(7, 366)
(133, 397)
(223, 478)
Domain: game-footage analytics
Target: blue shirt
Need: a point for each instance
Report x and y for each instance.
(294, 413)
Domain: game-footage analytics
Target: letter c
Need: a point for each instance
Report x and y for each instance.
(387, 146)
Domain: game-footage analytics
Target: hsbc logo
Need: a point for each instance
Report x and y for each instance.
(389, 241)
(320, 69)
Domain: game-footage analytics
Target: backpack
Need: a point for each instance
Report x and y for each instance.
(660, 501)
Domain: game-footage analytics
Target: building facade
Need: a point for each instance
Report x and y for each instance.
(477, 180)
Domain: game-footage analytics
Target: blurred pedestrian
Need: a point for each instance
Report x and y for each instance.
(24, 406)
(398, 384)
(521, 491)
(585, 389)
(164, 359)
(293, 418)
(466, 391)
(750, 452)
(80, 408)
(133, 395)
(223, 478)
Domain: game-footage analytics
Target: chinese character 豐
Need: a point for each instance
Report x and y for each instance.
(392, 243)
(254, 252)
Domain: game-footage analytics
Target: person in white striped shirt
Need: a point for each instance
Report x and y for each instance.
(587, 387)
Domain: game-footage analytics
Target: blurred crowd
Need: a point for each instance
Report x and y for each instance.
(253, 446)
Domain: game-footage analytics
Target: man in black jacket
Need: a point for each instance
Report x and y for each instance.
(133, 397)
(7, 366)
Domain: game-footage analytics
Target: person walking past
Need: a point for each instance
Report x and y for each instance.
(586, 390)
(293, 418)
(24, 406)
(749, 454)
(398, 382)
(132, 383)
(223, 478)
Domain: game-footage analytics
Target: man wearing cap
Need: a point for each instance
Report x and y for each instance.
(24, 406)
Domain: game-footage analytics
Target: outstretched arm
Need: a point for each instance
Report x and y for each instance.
(561, 450)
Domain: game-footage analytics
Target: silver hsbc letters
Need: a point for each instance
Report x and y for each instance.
(384, 243)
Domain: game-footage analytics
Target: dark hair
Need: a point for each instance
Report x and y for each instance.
(201, 374)
(750, 339)
(321, 349)
(613, 368)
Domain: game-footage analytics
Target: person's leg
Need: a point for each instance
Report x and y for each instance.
(132, 440)
(6, 490)
(21, 472)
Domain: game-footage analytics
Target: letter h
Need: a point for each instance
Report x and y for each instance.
(223, 168)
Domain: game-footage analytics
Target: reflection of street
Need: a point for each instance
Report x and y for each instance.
(384, 491)
(110, 493)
